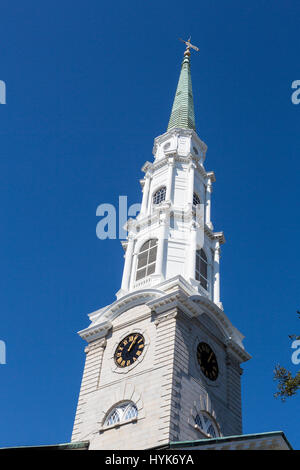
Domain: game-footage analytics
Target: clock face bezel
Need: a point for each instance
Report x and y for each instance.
(207, 360)
(129, 350)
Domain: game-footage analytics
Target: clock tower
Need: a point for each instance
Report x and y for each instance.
(163, 360)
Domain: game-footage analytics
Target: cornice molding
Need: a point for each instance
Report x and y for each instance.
(165, 317)
(108, 314)
(175, 293)
(93, 333)
(236, 350)
(177, 212)
(195, 306)
(173, 155)
(211, 176)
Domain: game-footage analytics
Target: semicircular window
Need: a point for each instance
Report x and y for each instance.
(159, 195)
(121, 413)
(206, 425)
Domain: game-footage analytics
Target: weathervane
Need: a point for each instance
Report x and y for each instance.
(189, 45)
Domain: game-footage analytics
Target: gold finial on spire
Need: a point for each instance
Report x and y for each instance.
(188, 46)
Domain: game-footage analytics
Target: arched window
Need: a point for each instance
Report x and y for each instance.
(159, 195)
(196, 199)
(206, 424)
(146, 259)
(201, 268)
(121, 413)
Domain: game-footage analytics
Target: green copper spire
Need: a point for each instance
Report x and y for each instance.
(182, 114)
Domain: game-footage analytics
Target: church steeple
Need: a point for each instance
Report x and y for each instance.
(182, 115)
(163, 360)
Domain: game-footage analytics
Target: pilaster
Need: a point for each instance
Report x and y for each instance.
(90, 380)
(165, 357)
(128, 264)
(208, 205)
(216, 287)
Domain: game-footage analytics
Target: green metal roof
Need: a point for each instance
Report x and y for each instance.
(182, 114)
(217, 440)
(80, 445)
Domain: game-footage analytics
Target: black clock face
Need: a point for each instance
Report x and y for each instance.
(129, 350)
(208, 361)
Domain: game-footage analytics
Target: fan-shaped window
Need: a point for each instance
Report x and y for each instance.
(159, 195)
(201, 268)
(206, 424)
(121, 413)
(146, 259)
(196, 199)
(211, 431)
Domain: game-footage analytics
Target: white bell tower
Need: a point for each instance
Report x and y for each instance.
(175, 211)
(176, 208)
(163, 360)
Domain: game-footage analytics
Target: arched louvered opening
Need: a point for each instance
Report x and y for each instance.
(202, 268)
(196, 199)
(146, 259)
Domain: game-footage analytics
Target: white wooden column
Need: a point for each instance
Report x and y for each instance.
(145, 194)
(170, 179)
(148, 208)
(216, 287)
(192, 252)
(132, 279)
(162, 243)
(191, 177)
(208, 205)
(127, 264)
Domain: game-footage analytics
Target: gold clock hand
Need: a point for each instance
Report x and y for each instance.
(133, 342)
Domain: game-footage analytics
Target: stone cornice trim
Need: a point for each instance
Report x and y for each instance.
(170, 294)
(211, 176)
(219, 236)
(109, 313)
(196, 305)
(165, 317)
(234, 339)
(147, 166)
(177, 158)
(180, 301)
(95, 332)
(237, 351)
(177, 213)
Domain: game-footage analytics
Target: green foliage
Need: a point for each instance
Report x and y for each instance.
(287, 385)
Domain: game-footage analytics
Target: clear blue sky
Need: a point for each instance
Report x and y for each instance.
(89, 86)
